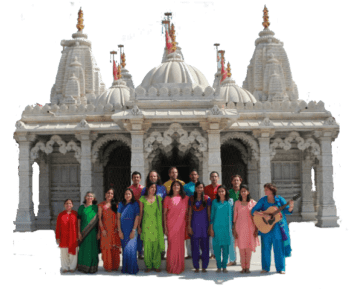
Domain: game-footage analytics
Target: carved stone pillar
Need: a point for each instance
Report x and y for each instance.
(205, 172)
(253, 179)
(97, 181)
(86, 139)
(264, 170)
(137, 157)
(307, 206)
(327, 211)
(214, 153)
(25, 219)
(44, 214)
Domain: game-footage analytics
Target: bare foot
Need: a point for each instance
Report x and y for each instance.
(231, 263)
(64, 271)
(204, 270)
(147, 270)
(263, 272)
(242, 271)
(247, 271)
(282, 272)
(212, 256)
(158, 270)
(196, 270)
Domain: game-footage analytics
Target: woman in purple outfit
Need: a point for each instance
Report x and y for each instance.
(198, 224)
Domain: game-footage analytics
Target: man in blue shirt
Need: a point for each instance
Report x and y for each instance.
(154, 177)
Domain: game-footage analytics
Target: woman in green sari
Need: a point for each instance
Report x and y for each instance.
(88, 235)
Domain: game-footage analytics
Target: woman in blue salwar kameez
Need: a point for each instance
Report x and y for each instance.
(278, 237)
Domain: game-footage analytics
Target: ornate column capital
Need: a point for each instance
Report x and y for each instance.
(86, 135)
(263, 133)
(24, 137)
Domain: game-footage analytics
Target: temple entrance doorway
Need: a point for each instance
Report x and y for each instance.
(184, 163)
(232, 163)
(117, 171)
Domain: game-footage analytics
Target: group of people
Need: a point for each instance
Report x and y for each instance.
(149, 221)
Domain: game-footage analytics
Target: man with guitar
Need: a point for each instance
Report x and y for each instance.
(269, 216)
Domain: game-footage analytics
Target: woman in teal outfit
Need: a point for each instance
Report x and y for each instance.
(221, 227)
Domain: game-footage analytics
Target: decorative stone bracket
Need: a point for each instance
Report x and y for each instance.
(48, 147)
(303, 144)
(185, 139)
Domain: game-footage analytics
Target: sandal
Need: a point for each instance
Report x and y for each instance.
(147, 270)
(263, 272)
(218, 270)
(158, 270)
(242, 271)
(225, 270)
(247, 271)
(196, 270)
(204, 270)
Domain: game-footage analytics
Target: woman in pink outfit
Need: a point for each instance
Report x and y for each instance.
(245, 232)
(174, 215)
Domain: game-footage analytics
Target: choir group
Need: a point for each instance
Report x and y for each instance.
(157, 221)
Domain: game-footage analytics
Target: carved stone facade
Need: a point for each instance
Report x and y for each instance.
(88, 138)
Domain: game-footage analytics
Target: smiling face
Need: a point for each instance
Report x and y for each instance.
(214, 177)
(109, 195)
(199, 189)
(268, 192)
(68, 205)
(244, 193)
(152, 189)
(136, 179)
(194, 176)
(89, 198)
(173, 174)
(221, 193)
(153, 177)
(176, 187)
(236, 182)
(128, 196)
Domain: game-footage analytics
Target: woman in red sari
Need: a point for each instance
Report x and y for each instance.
(110, 241)
(174, 215)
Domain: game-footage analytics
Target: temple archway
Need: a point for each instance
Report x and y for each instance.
(233, 161)
(117, 170)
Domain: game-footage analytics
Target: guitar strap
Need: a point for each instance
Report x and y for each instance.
(285, 238)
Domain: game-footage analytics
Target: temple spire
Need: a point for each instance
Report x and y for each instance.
(173, 38)
(266, 23)
(80, 24)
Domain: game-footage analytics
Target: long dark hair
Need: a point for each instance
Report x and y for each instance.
(114, 200)
(149, 184)
(181, 192)
(202, 195)
(132, 198)
(226, 193)
(94, 201)
(159, 181)
(246, 188)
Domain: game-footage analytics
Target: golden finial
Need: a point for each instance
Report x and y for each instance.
(266, 23)
(173, 38)
(80, 24)
(228, 69)
(119, 72)
(123, 60)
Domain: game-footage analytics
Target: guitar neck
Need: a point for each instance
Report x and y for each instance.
(282, 207)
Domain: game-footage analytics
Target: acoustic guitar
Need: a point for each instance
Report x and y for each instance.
(265, 225)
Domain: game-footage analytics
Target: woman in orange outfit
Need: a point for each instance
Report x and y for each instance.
(110, 241)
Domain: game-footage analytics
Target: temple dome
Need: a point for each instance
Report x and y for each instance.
(233, 93)
(117, 95)
(174, 72)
